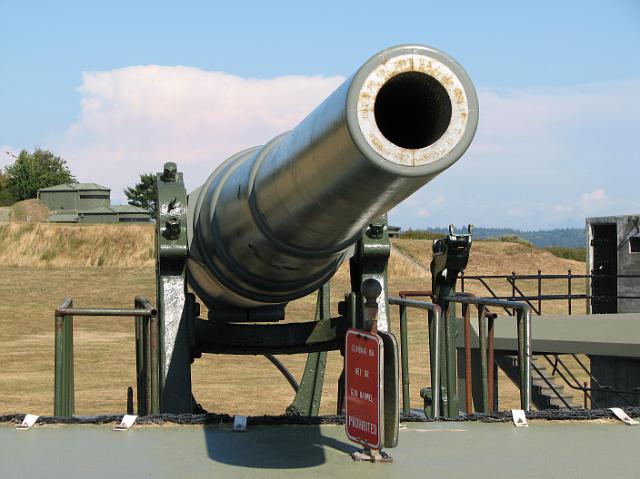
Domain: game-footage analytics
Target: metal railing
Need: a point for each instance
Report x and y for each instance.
(570, 379)
(535, 301)
(523, 315)
(146, 333)
(523, 324)
(434, 314)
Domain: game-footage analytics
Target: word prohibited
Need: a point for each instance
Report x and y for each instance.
(363, 387)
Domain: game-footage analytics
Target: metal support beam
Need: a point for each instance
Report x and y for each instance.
(171, 252)
(309, 394)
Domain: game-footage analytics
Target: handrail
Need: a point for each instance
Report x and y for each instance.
(523, 319)
(553, 387)
(434, 320)
(586, 390)
(147, 344)
(569, 296)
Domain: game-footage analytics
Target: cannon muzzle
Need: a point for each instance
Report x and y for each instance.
(273, 223)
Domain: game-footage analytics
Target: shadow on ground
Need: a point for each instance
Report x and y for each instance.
(273, 447)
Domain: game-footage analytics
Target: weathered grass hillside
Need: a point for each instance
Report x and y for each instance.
(130, 246)
(43, 245)
(32, 211)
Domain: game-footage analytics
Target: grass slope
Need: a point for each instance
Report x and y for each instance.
(32, 211)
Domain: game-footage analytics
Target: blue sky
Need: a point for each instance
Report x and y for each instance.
(119, 89)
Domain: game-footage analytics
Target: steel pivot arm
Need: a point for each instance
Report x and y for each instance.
(450, 257)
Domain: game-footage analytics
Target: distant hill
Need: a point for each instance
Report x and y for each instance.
(561, 237)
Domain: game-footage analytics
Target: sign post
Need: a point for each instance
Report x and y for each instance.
(364, 381)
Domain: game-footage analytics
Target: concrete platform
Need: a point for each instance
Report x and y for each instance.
(567, 449)
(593, 334)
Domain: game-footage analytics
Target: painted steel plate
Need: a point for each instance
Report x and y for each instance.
(363, 387)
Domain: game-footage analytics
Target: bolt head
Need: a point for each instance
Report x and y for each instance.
(173, 228)
(375, 231)
(169, 173)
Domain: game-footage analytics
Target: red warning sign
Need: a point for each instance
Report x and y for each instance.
(363, 387)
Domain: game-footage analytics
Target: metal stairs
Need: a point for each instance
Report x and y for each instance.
(547, 390)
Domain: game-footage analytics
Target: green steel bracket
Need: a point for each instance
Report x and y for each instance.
(309, 394)
(450, 258)
(292, 338)
(173, 315)
(370, 261)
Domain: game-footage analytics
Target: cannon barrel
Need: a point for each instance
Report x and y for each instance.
(273, 223)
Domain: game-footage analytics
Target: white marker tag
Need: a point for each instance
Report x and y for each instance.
(128, 420)
(239, 423)
(519, 418)
(28, 422)
(623, 416)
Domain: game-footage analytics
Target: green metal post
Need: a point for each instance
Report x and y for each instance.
(63, 397)
(353, 309)
(434, 347)
(524, 357)
(450, 363)
(404, 350)
(482, 345)
(69, 376)
(140, 365)
(153, 355)
(58, 409)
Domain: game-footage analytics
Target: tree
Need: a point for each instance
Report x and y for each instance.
(144, 193)
(32, 171)
(6, 196)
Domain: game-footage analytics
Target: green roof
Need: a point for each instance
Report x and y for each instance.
(129, 209)
(76, 187)
(60, 218)
(103, 210)
(113, 209)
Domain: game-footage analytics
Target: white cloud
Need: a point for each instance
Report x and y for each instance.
(424, 213)
(134, 119)
(597, 198)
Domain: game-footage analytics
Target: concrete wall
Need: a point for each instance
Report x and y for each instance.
(622, 374)
(627, 227)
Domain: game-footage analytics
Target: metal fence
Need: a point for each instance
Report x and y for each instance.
(146, 331)
(447, 348)
(535, 301)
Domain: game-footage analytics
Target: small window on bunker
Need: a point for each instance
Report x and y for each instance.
(634, 244)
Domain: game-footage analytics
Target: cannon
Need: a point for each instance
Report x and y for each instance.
(273, 223)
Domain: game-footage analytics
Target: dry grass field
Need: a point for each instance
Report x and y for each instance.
(107, 265)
